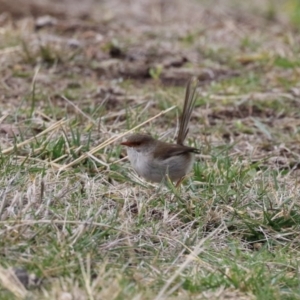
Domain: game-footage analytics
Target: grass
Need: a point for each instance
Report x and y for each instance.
(76, 222)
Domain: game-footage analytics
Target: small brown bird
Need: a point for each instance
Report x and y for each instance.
(154, 159)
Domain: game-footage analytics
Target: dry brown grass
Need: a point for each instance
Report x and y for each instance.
(73, 212)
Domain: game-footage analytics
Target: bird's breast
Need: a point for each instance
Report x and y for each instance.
(155, 169)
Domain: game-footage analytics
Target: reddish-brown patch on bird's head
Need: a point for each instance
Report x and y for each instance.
(129, 144)
(136, 140)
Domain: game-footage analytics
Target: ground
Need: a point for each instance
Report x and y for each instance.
(76, 222)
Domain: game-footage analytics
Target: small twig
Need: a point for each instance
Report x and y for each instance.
(22, 223)
(10, 281)
(50, 163)
(49, 129)
(79, 110)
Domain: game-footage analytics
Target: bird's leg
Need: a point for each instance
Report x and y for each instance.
(178, 183)
(170, 183)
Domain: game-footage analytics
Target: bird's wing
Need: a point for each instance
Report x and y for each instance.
(167, 150)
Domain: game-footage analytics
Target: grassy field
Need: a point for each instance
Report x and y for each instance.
(76, 222)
